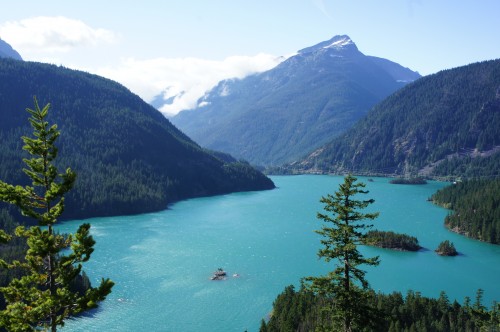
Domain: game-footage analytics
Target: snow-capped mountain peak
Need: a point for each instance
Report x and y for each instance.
(341, 42)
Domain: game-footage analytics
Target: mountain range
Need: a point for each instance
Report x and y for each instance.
(442, 124)
(129, 158)
(282, 114)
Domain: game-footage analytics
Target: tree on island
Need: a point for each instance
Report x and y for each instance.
(345, 287)
(42, 298)
(446, 248)
(392, 240)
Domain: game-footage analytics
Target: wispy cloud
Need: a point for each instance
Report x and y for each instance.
(184, 79)
(46, 34)
(320, 4)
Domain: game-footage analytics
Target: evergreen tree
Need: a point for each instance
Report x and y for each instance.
(41, 299)
(396, 312)
(346, 286)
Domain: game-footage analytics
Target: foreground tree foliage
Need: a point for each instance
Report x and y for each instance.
(43, 296)
(302, 311)
(344, 289)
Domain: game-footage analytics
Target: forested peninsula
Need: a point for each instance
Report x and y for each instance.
(475, 208)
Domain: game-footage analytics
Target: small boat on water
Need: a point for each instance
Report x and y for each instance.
(220, 274)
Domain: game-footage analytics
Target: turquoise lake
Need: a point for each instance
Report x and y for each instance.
(162, 262)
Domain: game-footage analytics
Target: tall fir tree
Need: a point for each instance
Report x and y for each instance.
(346, 286)
(42, 298)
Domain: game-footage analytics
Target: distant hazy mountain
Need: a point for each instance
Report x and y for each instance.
(129, 158)
(281, 114)
(445, 124)
(6, 51)
(397, 72)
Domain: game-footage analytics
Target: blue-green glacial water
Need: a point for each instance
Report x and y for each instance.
(162, 262)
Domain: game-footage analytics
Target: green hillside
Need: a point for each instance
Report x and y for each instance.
(441, 124)
(128, 157)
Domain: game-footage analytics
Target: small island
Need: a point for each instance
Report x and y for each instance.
(417, 180)
(446, 248)
(391, 240)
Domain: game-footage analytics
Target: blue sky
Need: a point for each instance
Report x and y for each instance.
(189, 45)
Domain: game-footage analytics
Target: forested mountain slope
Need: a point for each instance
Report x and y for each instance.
(422, 127)
(282, 114)
(129, 158)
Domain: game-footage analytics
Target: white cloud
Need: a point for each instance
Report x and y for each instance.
(45, 34)
(186, 78)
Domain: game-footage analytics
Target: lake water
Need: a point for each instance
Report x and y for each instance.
(162, 262)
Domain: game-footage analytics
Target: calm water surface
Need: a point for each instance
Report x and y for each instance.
(161, 262)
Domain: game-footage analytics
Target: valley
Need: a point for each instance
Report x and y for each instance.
(229, 183)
